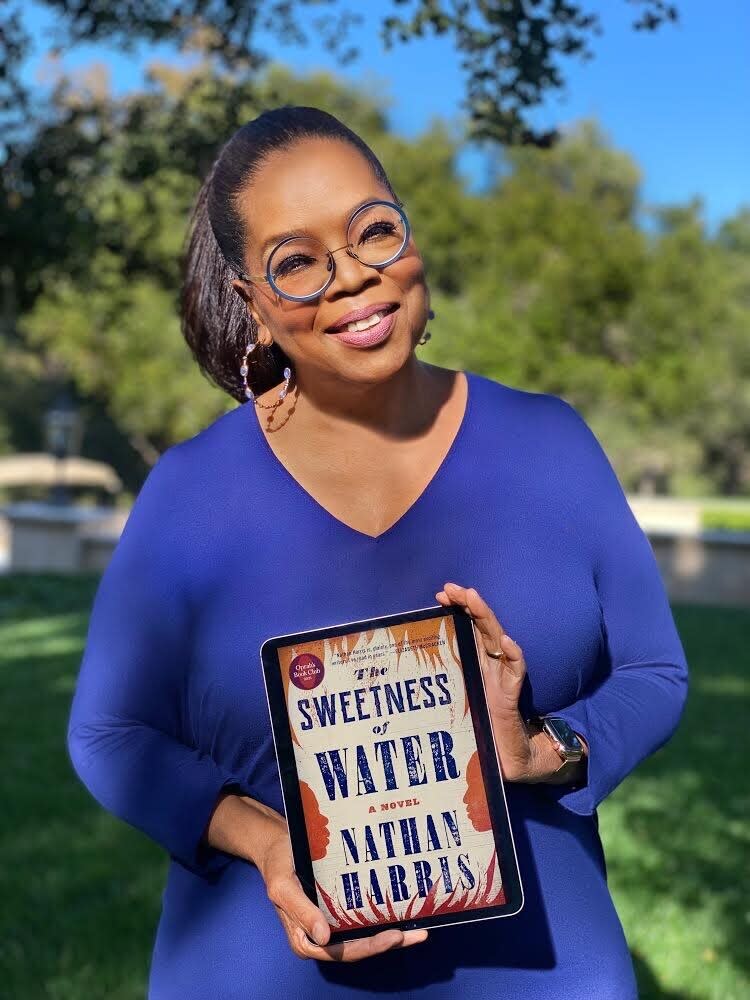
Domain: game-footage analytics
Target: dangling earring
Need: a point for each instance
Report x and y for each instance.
(426, 336)
(249, 392)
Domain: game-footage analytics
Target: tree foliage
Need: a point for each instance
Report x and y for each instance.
(510, 50)
(545, 280)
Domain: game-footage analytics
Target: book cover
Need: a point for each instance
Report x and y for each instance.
(401, 823)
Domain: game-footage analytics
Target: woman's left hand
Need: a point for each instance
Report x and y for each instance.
(523, 756)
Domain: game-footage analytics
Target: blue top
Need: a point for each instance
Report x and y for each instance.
(223, 548)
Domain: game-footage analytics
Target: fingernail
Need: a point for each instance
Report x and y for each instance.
(319, 934)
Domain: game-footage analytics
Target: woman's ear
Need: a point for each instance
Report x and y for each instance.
(244, 292)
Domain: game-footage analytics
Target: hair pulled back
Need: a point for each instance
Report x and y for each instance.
(215, 320)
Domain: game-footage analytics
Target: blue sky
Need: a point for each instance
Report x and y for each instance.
(677, 100)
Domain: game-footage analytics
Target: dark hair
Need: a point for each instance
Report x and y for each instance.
(215, 321)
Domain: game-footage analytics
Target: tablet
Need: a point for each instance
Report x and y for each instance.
(392, 787)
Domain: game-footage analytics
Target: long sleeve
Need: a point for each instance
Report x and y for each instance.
(636, 706)
(127, 719)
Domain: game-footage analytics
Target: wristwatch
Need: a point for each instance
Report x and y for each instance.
(564, 739)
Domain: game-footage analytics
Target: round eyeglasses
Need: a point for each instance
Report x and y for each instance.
(301, 268)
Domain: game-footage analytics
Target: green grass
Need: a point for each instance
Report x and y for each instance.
(81, 891)
(722, 519)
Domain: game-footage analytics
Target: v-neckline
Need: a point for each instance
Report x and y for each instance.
(411, 509)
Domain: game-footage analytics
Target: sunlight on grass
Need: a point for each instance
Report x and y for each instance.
(676, 835)
(81, 891)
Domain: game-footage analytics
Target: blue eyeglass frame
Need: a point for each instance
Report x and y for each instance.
(332, 263)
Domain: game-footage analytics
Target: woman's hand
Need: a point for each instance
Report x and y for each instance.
(303, 920)
(523, 756)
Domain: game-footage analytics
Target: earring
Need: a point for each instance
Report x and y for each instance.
(249, 392)
(427, 334)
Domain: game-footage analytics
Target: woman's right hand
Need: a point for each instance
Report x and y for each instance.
(302, 920)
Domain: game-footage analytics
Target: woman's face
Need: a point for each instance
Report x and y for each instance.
(313, 188)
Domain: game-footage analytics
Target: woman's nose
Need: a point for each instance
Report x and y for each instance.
(349, 270)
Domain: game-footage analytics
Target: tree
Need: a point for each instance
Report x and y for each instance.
(544, 281)
(649, 337)
(509, 49)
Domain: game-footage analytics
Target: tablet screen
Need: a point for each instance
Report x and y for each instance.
(386, 747)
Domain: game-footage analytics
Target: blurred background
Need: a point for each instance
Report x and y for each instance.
(577, 178)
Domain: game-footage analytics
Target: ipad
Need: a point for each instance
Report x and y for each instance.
(392, 787)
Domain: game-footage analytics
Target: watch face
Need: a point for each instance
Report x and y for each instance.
(564, 733)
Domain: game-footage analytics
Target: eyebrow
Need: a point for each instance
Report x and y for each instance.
(278, 237)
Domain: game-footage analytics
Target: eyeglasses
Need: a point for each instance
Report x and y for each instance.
(301, 268)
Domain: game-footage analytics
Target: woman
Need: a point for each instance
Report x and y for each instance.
(358, 480)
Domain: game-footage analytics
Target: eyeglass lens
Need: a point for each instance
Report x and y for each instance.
(302, 266)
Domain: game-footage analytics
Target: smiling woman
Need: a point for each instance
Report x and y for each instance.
(288, 194)
(375, 482)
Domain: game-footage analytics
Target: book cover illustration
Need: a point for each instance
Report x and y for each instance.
(392, 791)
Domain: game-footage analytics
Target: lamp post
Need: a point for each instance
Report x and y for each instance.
(63, 431)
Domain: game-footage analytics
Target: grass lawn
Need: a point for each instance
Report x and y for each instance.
(81, 890)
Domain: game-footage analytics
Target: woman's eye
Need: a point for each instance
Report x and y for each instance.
(292, 263)
(376, 229)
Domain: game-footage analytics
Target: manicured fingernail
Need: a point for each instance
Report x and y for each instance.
(319, 934)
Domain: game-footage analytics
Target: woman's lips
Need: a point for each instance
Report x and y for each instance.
(366, 338)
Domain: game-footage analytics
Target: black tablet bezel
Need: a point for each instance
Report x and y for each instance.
(489, 765)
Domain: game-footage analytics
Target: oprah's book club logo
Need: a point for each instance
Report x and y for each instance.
(393, 798)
